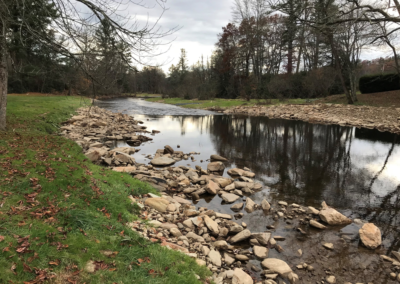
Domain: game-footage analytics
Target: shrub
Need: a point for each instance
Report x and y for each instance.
(379, 83)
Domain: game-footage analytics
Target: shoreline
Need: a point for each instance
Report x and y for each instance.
(208, 236)
(384, 119)
(380, 118)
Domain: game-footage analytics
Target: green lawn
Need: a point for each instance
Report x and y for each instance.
(58, 210)
(221, 103)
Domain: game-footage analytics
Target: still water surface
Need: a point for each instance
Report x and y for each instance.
(354, 170)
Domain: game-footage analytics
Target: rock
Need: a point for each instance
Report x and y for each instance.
(205, 250)
(171, 208)
(215, 167)
(328, 246)
(93, 155)
(228, 259)
(215, 257)
(218, 158)
(181, 200)
(241, 277)
(175, 232)
(312, 210)
(211, 225)
(197, 221)
(160, 204)
(277, 266)
(195, 237)
(124, 169)
(250, 205)
(168, 150)
(261, 252)
(235, 228)
(223, 182)
(316, 224)
(370, 236)
(245, 234)
(125, 150)
(220, 245)
(168, 226)
(235, 172)
(162, 161)
(188, 224)
(262, 238)
(265, 205)
(223, 216)
(331, 279)
(155, 223)
(333, 217)
(230, 187)
(237, 206)
(229, 197)
(174, 247)
(212, 187)
(201, 262)
(396, 254)
(241, 257)
(90, 266)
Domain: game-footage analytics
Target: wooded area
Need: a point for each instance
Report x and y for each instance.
(271, 49)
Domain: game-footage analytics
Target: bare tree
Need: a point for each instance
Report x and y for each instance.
(73, 16)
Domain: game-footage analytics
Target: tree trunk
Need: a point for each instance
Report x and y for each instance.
(340, 71)
(3, 76)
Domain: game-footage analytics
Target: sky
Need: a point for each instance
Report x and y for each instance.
(199, 24)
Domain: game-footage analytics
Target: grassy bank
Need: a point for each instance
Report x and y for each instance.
(221, 103)
(58, 211)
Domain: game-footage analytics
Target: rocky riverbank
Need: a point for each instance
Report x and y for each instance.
(381, 118)
(220, 241)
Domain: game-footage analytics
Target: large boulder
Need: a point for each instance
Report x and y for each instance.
(370, 236)
(333, 217)
(160, 204)
(162, 161)
(241, 277)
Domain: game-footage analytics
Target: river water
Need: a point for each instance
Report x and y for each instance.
(356, 171)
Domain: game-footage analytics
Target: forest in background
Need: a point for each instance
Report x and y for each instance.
(271, 49)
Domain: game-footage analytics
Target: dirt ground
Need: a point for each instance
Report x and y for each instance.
(384, 99)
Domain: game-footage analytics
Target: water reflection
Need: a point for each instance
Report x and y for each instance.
(355, 170)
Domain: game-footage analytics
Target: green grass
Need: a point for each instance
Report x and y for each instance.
(58, 210)
(221, 103)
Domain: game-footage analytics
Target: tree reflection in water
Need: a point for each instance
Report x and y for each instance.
(308, 163)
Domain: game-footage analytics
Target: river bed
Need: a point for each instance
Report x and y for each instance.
(356, 171)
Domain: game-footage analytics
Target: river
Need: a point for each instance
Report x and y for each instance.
(356, 171)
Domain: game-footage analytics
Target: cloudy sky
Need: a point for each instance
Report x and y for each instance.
(199, 22)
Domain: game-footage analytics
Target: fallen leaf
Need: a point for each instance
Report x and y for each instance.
(1, 238)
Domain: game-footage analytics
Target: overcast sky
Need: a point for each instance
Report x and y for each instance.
(199, 21)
